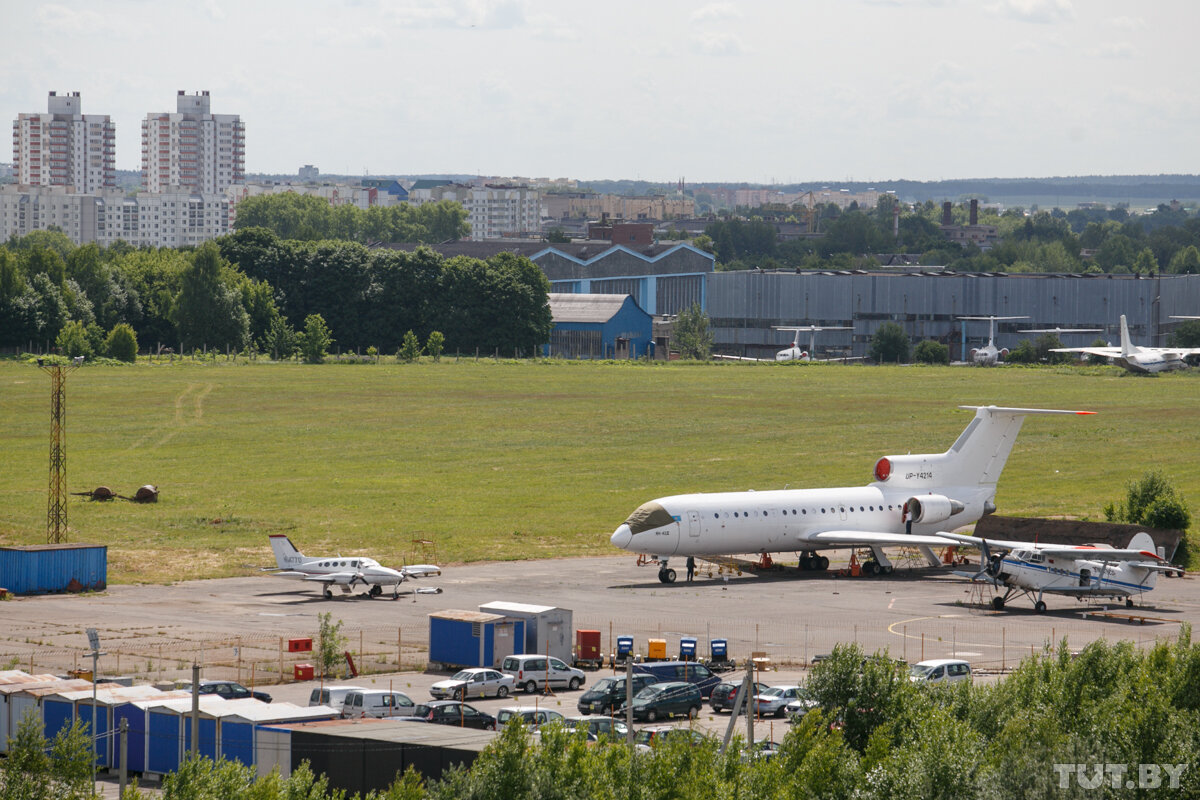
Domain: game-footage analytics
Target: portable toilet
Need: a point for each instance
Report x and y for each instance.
(547, 628)
(656, 650)
(474, 638)
(624, 649)
(718, 655)
(687, 648)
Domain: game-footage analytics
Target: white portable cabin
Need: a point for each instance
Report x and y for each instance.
(23, 698)
(13, 680)
(547, 628)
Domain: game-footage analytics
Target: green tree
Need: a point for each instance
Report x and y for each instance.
(1145, 263)
(208, 309)
(1187, 334)
(1152, 501)
(435, 344)
(557, 235)
(931, 352)
(1024, 353)
(890, 344)
(410, 348)
(121, 343)
(691, 335)
(314, 342)
(72, 341)
(30, 773)
(280, 339)
(330, 644)
(1186, 261)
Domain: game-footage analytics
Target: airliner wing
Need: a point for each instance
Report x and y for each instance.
(868, 538)
(743, 358)
(1107, 352)
(995, 544)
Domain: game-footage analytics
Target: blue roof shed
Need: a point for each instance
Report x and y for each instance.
(599, 326)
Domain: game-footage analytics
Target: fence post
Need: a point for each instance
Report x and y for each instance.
(1003, 642)
(281, 659)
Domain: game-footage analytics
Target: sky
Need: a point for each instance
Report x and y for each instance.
(765, 91)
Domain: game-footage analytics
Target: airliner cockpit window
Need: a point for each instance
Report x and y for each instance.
(648, 516)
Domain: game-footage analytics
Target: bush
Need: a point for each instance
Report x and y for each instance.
(121, 343)
(73, 341)
(410, 348)
(890, 344)
(931, 352)
(435, 345)
(1151, 501)
(314, 342)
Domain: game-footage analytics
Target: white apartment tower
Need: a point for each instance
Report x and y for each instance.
(192, 149)
(65, 147)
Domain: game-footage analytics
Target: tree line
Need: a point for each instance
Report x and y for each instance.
(252, 291)
(305, 217)
(1166, 241)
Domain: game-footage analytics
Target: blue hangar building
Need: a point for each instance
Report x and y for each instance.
(599, 326)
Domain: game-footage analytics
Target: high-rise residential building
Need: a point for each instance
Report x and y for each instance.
(65, 147)
(493, 211)
(192, 149)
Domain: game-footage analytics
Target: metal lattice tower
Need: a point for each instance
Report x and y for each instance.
(56, 501)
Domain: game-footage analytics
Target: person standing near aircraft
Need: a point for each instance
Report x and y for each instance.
(691, 568)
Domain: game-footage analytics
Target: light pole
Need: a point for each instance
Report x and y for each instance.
(94, 642)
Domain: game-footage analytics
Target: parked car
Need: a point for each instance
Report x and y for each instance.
(534, 717)
(796, 709)
(378, 703)
(940, 670)
(332, 696)
(231, 690)
(661, 700)
(474, 682)
(724, 694)
(652, 735)
(688, 671)
(774, 701)
(608, 694)
(531, 672)
(600, 727)
(452, 712)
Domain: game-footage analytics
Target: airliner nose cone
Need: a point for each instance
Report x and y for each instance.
(622, 537)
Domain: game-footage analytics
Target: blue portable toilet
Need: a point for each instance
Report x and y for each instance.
(624, 647)
(687, 648)
(718, 650)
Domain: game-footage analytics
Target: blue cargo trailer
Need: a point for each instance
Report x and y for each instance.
(473, 638)
(38, 569)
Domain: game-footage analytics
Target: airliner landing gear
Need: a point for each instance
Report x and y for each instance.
(665, 574)
(813, 562)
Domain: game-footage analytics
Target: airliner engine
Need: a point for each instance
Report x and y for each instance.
(931, 508)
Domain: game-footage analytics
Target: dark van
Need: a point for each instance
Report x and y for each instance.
(608, 694)
(688, 671)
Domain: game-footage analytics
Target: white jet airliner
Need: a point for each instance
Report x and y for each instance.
(1135, 358)
(341, 571)
(988, 355)
(911, 499)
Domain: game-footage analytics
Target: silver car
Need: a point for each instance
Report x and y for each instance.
(774, 701)
(474, 682)
(534, 717)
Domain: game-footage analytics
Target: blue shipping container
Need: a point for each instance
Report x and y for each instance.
(473, 638)
(38, 569)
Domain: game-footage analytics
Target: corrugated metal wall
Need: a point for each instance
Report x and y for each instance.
(53, 568)
(744, 305)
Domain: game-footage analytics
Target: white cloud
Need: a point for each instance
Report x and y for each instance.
(485, 14)
(1128, 23)
(714, 12)
(62, 18)
(718, 44)
(214, 10)
(1040, 11)
(1114, 50)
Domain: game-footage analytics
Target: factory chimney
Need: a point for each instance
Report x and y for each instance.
(947, 213)
(974, 211)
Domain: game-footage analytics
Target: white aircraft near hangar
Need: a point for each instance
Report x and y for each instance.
(1135, 358)
(1080, 571)
(988, 355)
(341, 571)
(795, 352)
(912, 498)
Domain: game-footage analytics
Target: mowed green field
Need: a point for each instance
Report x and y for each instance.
(528, 460)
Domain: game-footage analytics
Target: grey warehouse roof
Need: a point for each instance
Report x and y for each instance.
(585, 307)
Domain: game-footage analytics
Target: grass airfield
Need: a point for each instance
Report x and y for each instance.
(513, 460)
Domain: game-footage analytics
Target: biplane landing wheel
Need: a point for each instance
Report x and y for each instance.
(1039, 607)
(1129, 602)
(998, 603)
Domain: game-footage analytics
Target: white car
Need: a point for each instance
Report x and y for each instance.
(377, 703)
(473, 682)
(940, 670)
(774, 701)
(533, 672)
(534, 717)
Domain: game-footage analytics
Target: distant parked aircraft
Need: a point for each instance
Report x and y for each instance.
(795, 352)
(341, 571)
(988, 355)
(1135, 358)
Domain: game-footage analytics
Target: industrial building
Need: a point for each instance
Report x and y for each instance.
(599, 326)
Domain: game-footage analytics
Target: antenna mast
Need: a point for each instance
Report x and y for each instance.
(56, 501)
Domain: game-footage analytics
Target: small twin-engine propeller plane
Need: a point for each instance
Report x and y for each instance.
(341, 571)
(912, 498)
(1080, 571)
